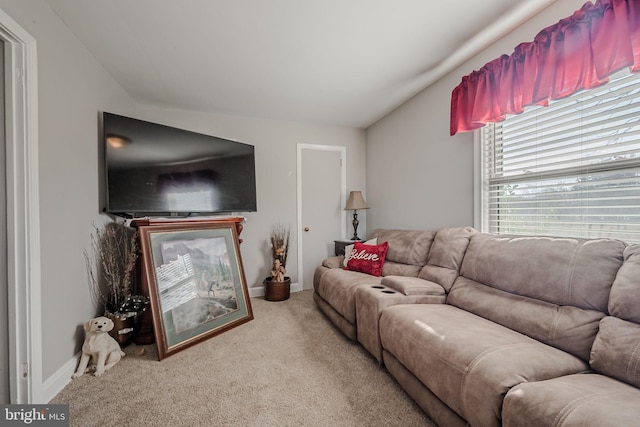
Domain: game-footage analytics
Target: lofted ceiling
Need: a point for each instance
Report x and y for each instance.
(336, 62)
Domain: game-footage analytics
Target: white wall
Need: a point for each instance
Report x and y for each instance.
(417, 175)
(73, 88)
(275, 149)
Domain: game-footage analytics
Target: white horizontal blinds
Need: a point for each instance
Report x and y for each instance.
(569, 169)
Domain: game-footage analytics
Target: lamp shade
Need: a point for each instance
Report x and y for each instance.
(356, 201)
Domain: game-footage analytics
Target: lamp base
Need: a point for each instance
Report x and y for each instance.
(355, 224)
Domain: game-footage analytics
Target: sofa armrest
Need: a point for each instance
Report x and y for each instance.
(334, 262)
(413, 285)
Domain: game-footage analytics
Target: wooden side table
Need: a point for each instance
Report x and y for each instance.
(341, 244)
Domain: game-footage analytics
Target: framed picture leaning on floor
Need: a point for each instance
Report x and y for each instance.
(196, 280)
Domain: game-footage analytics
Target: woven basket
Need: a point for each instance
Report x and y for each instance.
(277, 291)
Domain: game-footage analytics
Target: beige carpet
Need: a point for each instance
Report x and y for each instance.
(287, 367)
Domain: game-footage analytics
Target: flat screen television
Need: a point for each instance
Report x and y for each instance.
(157, 170)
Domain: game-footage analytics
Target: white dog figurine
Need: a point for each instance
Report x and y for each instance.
(99, 346)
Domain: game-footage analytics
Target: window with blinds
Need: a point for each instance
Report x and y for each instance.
(569, 169)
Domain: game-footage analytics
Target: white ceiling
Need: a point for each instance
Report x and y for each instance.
(340, 62)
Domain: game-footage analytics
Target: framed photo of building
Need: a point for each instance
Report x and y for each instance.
(196, 281)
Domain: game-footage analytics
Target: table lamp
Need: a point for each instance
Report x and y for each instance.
(355, 202)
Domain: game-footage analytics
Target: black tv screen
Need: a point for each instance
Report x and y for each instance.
(153, 169)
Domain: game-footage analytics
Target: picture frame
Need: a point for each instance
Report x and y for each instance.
(196, 283)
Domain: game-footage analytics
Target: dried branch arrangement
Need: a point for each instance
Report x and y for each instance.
(114, 250)
(279, 250)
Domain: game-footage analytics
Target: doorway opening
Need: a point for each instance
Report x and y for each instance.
(22, 212)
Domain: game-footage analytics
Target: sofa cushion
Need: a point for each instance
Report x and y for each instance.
(333, 262)
(412, 285)
(446, 254)
(468, 362)
(616, 350)
(555, 290)
(406, 246)
(625, 292)
(563, 271)
(337, 287)
(391, 268)
(568, 328)
(572, 401)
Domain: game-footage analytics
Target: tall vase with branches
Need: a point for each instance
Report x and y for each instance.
(110, 266)
(280, 236)
(278, 285)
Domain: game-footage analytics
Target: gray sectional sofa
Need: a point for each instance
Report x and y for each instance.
(490, 330)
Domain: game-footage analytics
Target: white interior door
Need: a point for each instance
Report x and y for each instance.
(321, 195)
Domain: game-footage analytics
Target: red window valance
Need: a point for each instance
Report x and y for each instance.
(579, 52)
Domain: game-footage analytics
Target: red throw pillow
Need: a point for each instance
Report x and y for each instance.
(368, 258)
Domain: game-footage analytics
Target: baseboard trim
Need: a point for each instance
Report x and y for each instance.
(59, 380)
(258, 291)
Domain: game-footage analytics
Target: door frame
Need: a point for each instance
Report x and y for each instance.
(343, 194)
(23, 213)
